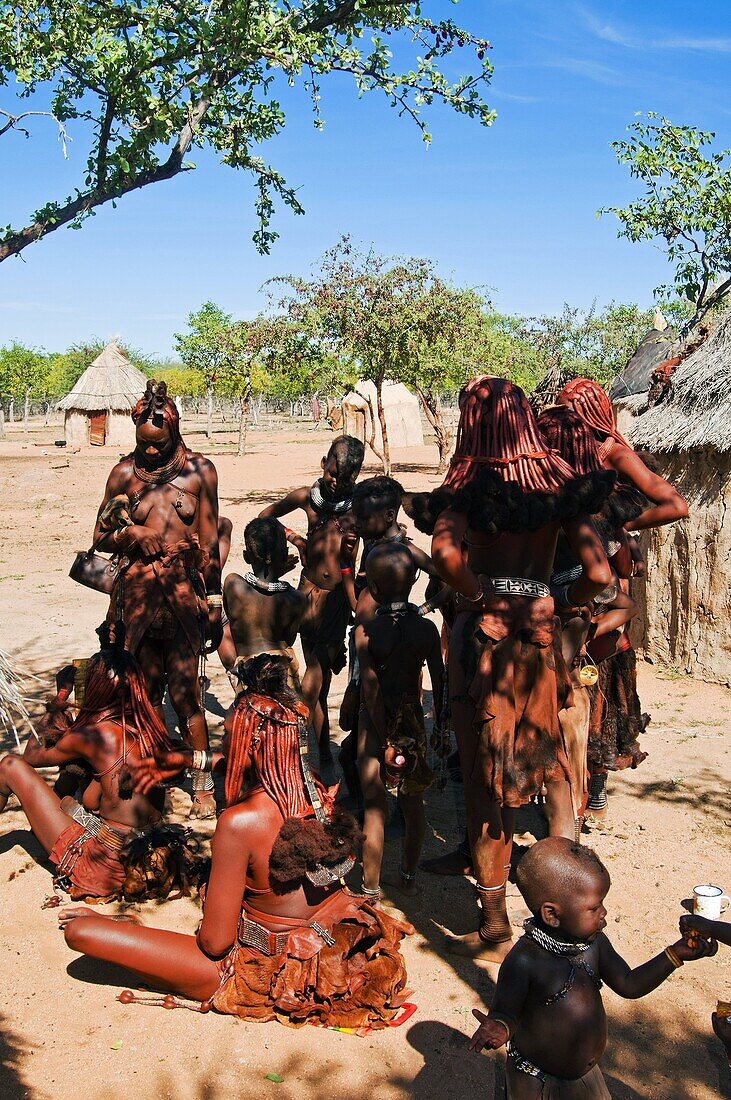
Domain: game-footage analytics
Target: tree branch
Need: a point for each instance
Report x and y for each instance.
(14, 243)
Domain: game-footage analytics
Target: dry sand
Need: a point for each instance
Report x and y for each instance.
(63, 1032)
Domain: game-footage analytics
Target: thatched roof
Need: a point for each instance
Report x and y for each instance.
(547, 389)
(111, 382)
(653, 349)
(696, 411)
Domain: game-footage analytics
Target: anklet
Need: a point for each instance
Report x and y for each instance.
(406, 876)
(371, 893)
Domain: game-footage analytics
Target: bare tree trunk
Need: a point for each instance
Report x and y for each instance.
(386, 459)
(244, 403)
(47, 417)
(2, 422)
(11, 411)
(209, 412)
(433, 408)
(26, 409)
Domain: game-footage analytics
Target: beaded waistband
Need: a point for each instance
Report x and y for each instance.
(520, 586)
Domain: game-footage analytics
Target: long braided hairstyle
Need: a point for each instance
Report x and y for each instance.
(503, 476)
(589, 401)
(114, 687)
(564, 431)
(264, 740)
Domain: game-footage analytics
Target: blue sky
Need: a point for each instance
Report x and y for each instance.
(511, 207)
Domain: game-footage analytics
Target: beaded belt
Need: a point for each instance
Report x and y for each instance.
(567, 576)
(253, 934)
(92, 824)
(519, 586)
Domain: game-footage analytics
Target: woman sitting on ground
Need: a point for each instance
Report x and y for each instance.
(116, 726)
(280, 937)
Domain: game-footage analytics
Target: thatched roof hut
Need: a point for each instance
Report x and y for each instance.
(686, 602)
(97, 411)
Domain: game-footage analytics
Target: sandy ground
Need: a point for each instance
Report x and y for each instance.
(64, 1033)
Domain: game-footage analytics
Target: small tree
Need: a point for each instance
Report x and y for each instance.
(22, 371)
(444, 323)
(242, 346)
(203, 349)
(686, 206)
(369, 308)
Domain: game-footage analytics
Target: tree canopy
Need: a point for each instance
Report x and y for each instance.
(686, 206)
(141, 82)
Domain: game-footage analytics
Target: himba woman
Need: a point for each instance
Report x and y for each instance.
(160, 511)
(616, 713)
(280, 937)
(607, 619)
(495, 524)
(116, 726)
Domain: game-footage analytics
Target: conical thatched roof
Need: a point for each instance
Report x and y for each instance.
(111, 382)
(697, 409)
(653, 349)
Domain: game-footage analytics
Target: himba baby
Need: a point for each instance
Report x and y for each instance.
(392, 648)
(547, 1005)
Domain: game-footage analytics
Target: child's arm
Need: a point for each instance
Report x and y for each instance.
(507, 1007)
(348, 554)
(370, 688)
(435, 664)
(296, 499)
(709, 929)
(423, 561)
(636, 983)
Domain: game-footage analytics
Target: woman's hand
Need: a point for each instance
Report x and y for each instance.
(149, 543)
(150, 772)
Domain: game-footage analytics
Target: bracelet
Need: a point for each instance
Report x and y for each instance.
(346, 569)
(214, 599)
(480, 595)
(289, 534)
(674, 958)
(202, 760)
(561, 598)
(116, 533)
(509, 1025)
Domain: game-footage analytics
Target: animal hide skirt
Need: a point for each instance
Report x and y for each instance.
(351, 976)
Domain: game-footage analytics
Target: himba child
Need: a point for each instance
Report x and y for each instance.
(692, 926)
(547, 1005)
(392, 648)
(264, 612)
(376, 505)
(330, 599)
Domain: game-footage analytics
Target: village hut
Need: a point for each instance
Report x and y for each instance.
(630, 390)
(97, 411)
(401, 408)
(685, 600)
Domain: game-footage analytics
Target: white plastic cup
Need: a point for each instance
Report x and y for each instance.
(710, 901)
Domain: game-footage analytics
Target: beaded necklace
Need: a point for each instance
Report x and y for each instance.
(564, 950)
(267, 587)
(323, 506)
(160, 475)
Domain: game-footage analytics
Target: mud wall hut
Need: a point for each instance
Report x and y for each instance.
(97, 411)
(685, 601)
(401, 408)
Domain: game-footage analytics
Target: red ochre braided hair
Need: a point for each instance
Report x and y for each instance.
(503, 476)
(114, 687)
(589, 401)
(563, 430)
(263, 739)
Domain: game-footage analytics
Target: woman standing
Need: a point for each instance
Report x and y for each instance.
(495, 523)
